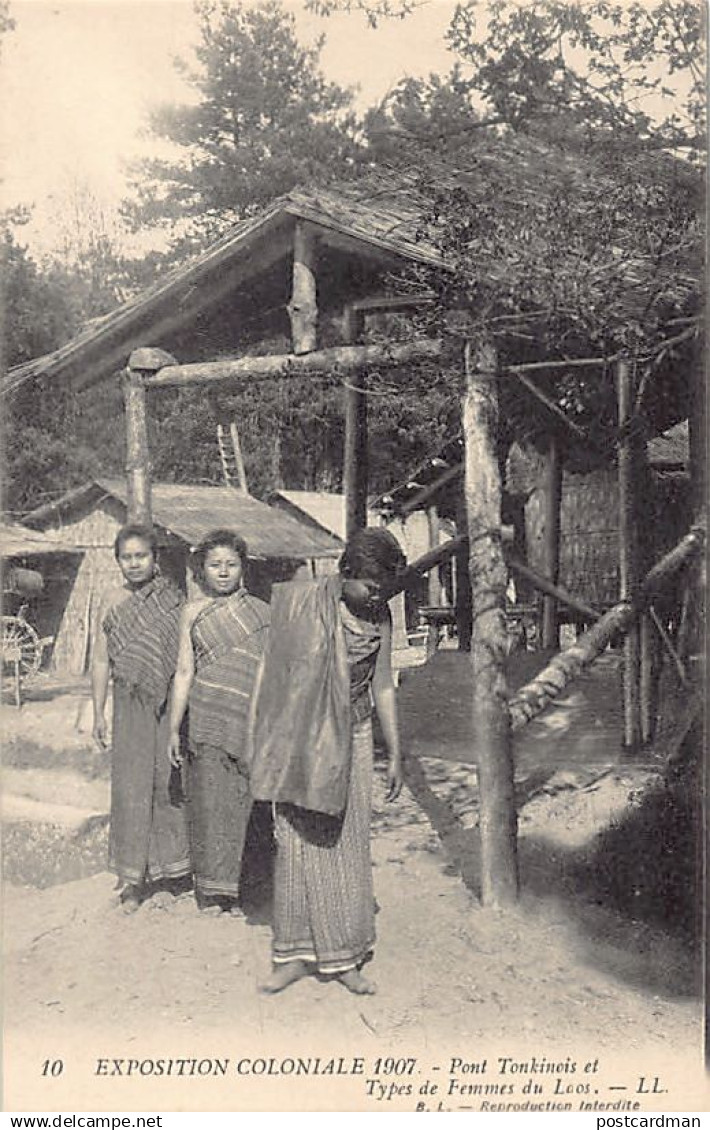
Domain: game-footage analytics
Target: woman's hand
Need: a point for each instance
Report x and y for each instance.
(174, 750)
(99, 732)
(394, 778)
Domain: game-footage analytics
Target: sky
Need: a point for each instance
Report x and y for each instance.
(78, 78)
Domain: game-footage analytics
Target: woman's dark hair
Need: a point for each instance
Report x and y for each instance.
(373, 552)
(136, 530)
(214, 538)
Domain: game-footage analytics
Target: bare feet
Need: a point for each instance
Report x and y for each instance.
(355, 983)
(130, 899)
(284, 975)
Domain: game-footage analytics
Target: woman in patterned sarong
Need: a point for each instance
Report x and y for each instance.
(136, 645)
(324, 907)
(222, 637)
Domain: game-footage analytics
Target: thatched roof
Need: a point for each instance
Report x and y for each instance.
(189, 512)
(379, 220)
(325, 510)
(19, 541)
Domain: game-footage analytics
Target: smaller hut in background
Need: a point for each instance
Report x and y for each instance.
(89, 517)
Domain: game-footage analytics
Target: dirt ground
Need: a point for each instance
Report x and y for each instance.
(600, 956)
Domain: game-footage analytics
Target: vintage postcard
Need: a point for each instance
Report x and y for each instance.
(353, 556)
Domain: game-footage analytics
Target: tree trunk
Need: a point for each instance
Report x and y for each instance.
(551, 546)
(137, 458)
(489, 578)
(303, 307)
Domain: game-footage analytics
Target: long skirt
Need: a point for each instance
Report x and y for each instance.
(148, 831)
(323, 894)
(219, 804)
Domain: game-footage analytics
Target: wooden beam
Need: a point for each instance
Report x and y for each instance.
(545, 585)
(629, 570)
(355, 472)
(489, 639)
(552, 502)
(427, 492)
(533, 698)
(392, 303)
(303, 307)
(550, 404)
(343, 358)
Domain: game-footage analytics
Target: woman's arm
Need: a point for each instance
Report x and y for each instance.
(386, 705)
(182, 683)
(100, 674)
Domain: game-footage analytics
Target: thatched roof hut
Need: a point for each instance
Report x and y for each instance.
(90, 516)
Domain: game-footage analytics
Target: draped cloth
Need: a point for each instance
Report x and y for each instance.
(228, 637)
(148, 828)
(302, 727)
(323, 895)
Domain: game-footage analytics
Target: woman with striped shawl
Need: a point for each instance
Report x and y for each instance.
(222, 638)
(323, 894)
(136, 644)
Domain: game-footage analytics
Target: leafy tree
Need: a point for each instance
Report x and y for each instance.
(265, 119)
(51, 437)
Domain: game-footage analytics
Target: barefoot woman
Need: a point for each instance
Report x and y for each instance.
(222, 637)
(136, 643)
(323, 901)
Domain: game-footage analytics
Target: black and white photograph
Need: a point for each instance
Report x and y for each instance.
(353, 539)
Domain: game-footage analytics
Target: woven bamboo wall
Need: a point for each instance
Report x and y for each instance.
(589, 524)
(95, 532)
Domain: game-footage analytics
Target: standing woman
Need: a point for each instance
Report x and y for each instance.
(136, 644)
(222, 636)
(332, 647)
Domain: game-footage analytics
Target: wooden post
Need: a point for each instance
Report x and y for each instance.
(142, 364)
(355, 475)
(303, 307)
(489, 577)
(137, 459)
(552, 501)
(463, 580)
(433, 579)
(629, 570)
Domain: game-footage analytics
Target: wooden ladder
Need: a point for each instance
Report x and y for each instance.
(230, 453)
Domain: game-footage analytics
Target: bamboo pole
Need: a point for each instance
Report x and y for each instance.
(489, 639)
(533, 698)
(303, 307)
(629, 572)
(355, 475)
(552, 501)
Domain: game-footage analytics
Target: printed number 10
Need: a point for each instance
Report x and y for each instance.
(53, 1067)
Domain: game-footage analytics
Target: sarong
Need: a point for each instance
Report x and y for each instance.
(148, 830)
(323, 893)
(219, 806)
